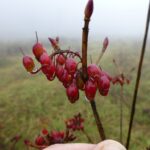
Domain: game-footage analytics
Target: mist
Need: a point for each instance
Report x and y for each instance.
(19, 19)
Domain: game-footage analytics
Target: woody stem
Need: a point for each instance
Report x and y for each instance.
(84, 48)
(98, 121)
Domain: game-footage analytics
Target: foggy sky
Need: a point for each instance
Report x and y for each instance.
(21, 18)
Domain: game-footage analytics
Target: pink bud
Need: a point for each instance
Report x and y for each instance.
(57, 39)
(104, 85)
(105, 44)
(72, 93)
(28, 63)
(45, 59)
(39, 140)
(90, 89)
(89, 9)
(45, 132)
(53, 43)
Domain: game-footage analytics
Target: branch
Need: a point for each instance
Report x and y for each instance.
(138, 78)
(87, 136)
(121, 113)
(66, 51)
(98, 121)
(84, 47)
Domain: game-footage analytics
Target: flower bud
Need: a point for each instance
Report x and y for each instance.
(71, 66)
(61, 59)
(104, 85)
(45, 132)
(90, 89)
(105, 44)
(39, 140)
(89, 9)
(38, 50)
(54, 43)
(28, 63)
(57, 39)
(45, 59)
(72, 93)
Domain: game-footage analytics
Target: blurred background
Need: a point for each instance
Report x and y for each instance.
(114, 18)
(30, 103)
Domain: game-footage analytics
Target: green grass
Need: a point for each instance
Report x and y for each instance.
(30, 103)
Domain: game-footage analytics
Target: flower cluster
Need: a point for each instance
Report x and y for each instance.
(75, 123)
(120, 79)
(46, 138)
(64, 65)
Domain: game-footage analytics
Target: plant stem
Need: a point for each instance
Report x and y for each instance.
(87, 136)
(99, 58)
(91, 61)
(21, 50)
(100, 55)
(121, 113)
(67, 52)
(37, 39)
(84, 47)
(85, 75)
(138, 78)
(98, 121)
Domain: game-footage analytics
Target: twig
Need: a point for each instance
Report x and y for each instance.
(121, 113)
(67, 52)
(87, 136)
(105, 44)
(84, 47)
(21, 50)
(99, 57)
(91, 61)
(98, 121)
(37, 39)
(117, 67)
(138, 78)
(36, 71)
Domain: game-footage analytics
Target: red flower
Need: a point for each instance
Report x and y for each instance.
(39, 141)
(57, 137)
(75, 123)
(45, 132)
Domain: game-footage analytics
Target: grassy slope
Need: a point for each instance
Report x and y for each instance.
(30, 103)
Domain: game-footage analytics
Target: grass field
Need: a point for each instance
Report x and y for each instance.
(30, 103)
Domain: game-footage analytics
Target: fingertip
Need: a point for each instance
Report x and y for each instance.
(109, 145)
